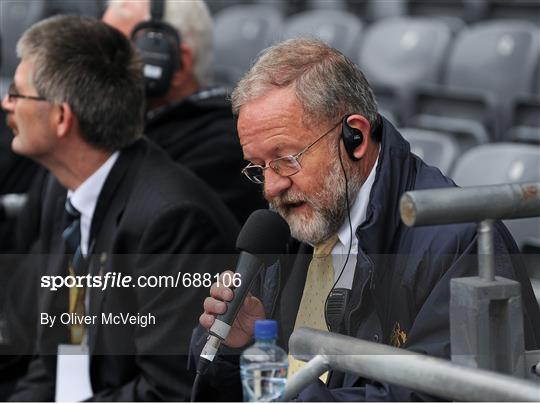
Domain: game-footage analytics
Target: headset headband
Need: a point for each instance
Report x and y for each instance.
(157, 8)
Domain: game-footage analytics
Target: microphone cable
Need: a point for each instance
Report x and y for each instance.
(350, 239)
(195, 387)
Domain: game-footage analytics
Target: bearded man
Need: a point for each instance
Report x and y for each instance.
(331, 166)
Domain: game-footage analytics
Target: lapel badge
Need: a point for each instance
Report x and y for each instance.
(398, 336)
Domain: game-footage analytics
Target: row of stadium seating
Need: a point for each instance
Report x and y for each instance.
(488, 164)
(457, 11)
(480, 82)
(424, 73)
(460, 90)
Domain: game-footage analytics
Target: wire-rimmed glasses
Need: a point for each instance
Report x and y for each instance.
(284, 166)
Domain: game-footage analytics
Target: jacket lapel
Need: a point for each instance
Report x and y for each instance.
(109, 209)
(53, 263)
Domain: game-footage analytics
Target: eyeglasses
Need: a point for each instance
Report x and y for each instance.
(284, 166)
(13, 94)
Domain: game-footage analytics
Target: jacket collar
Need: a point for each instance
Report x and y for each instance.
(207, 99)
(395, 175)
(125, 162)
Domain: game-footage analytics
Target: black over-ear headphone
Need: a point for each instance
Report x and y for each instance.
(158, 44)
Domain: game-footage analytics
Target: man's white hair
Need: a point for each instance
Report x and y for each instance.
(193, 21)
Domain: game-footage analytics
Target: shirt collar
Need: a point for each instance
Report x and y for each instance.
(85, 197)
(358, 212)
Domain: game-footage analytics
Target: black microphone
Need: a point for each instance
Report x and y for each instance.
(262, 239)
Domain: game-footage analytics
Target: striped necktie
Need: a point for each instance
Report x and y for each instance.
(77, 266)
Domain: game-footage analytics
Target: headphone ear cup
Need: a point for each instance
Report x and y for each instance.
(158, 44)
(352, 138)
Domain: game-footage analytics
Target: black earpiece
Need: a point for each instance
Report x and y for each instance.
(352, 138)
(159, 46)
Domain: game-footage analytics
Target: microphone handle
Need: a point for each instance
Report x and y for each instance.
(248, 268)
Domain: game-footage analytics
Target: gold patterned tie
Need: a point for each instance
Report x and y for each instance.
(76, 308)
(319, 282)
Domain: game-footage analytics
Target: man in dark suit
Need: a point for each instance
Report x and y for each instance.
(127, 232)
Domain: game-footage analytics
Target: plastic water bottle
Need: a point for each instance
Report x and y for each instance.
(263, 366)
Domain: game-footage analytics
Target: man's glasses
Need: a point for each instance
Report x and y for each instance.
(13, 94)
(284, 166)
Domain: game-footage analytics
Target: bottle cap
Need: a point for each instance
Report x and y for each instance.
(265, 329)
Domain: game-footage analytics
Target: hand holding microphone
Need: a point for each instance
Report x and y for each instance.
(241, 332)
(262, 239)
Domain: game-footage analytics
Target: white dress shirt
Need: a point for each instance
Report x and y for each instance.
(85, 197)
(358, 216)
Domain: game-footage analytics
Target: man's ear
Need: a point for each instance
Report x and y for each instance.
(360, 123)
(186, 56)
(64, 119)
(186, 69)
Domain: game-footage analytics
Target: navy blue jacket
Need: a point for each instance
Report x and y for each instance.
(401, 292)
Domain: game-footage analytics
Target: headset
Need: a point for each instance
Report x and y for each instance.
(159, 45)
(337, 299)
(352, 137)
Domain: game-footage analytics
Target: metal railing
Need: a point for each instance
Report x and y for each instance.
(396, 366)
(470, 330)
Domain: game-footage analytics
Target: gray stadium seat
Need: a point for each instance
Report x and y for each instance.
(284, 7)
(339, 29)
(367, 10)
(466, 115)
(326, 5)
(89, 8)
(436, 149)
(216, 6)
(501, 163)
(404, 51)
(15, 18)
(490, 65)
(525, 121)
(4, 84)
(399, 53)
(524, 10)
(466, 10)
(498, 163)
(500, 56)
(373, 10)
(241, 33)
(536, 80)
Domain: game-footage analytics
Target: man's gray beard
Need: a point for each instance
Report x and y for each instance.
(329, 206)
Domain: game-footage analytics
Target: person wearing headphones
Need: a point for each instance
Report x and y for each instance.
(335, 170)
(188, 116)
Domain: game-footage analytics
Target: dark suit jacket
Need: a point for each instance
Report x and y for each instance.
(200, 133)
(152, 218)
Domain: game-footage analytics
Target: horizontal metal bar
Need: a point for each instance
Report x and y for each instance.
(471, 204)
(305, 376)
(391, 365)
